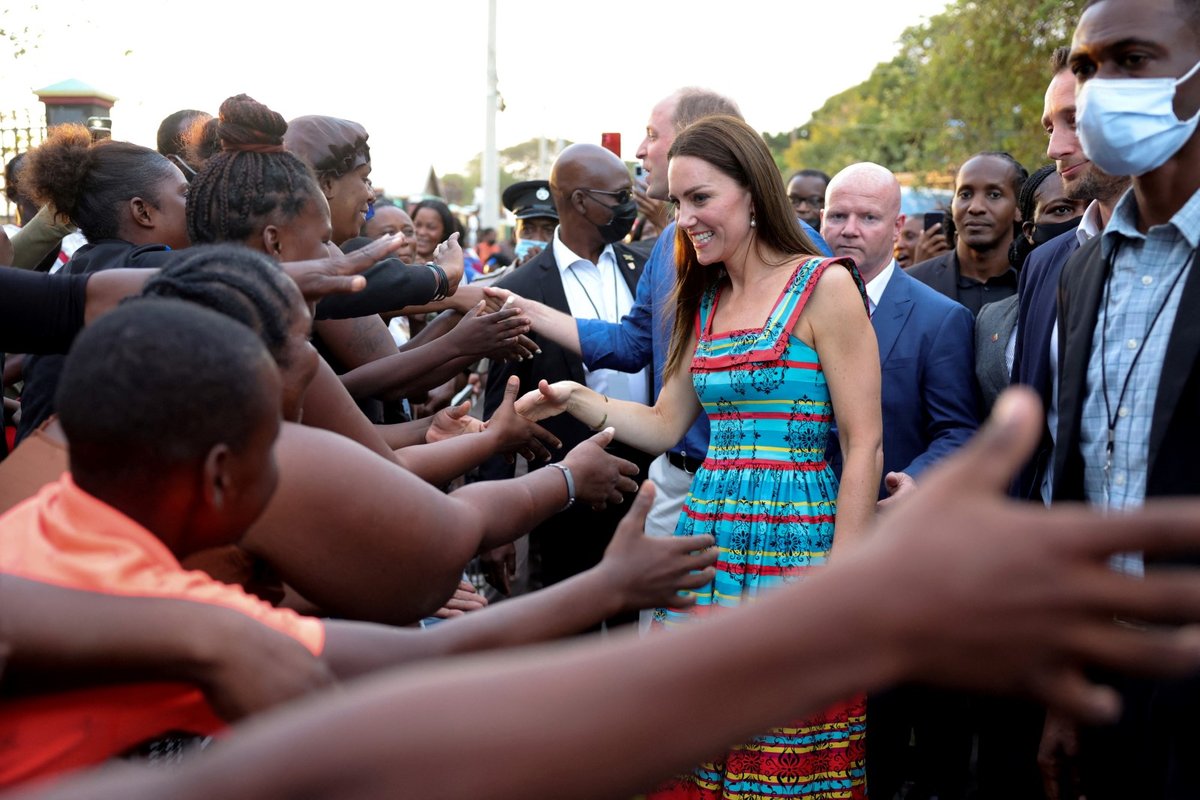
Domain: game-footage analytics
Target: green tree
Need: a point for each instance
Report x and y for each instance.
(971, 78)
(517, 163)
(16, 38)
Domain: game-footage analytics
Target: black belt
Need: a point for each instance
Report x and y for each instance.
(684, 462)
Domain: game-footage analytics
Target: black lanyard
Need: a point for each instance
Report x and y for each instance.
(1111, 416)
(588, 295)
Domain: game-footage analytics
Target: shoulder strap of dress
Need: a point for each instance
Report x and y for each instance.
(704, 311)
(800, 287)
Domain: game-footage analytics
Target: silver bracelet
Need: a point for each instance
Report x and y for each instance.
(566, 471)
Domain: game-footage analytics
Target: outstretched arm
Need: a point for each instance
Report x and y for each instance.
(636, 572)
(1038, 609)
(651, 429)
(62, 639)
(431, 364)
(391, 284)
(366, 539)
(626, 345)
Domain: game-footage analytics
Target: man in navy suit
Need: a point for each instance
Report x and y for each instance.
(1037, 338)
(926, 340)
(927, 359)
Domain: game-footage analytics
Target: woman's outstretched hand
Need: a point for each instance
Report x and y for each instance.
(548, 400)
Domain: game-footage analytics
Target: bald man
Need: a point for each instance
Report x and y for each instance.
(927, 355)
(586, 273)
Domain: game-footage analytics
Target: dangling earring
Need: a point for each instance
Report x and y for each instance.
(752, 222)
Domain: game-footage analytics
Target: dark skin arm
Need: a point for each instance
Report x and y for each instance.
(368, 540)
(327, 405)
(506, 432)
(426, 366)
(1023, 604)
(64, 639)
(339, 272)
(355, 342)
(463, 302)
(316, 278)
(636, 572)
(405, 434)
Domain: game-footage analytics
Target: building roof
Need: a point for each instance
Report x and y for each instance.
(73, 87)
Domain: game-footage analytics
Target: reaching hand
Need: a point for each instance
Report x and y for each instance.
(465, 599)
(499, 567)
(453, 421)
(338, 272)
(1015, 597)
(653, 570)
(517, 349)
(600, 477)
(479, 333)
(548, 400)
(449, 256)
(516, 434)
(497, 297)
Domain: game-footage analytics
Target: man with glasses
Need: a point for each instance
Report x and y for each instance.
(806, 190)
(587, 273)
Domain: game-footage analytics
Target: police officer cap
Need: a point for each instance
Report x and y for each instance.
(530, 199)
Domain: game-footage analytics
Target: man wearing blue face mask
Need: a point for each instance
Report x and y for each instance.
(1129, 341)
(536, 216)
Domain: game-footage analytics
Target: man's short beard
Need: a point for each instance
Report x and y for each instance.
(1097, 185)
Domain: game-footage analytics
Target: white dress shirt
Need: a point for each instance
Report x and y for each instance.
(598, 291)
(877, 285)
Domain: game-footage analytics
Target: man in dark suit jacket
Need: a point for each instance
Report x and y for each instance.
(1038, 286)
(976, 270)
(926, 354)
(926, 345)
(1118, 448)
(578, 274)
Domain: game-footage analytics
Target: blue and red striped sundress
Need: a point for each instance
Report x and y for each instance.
(768, 497)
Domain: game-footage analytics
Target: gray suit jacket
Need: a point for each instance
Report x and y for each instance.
(993, 327)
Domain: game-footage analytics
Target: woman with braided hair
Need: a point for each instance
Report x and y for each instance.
(258, 193)
(1046, 212)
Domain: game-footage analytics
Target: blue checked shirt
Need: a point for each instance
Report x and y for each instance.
(1143, 279)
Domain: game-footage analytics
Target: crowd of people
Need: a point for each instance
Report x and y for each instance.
(769, 490)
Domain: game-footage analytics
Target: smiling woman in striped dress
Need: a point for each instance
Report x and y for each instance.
(779, 342)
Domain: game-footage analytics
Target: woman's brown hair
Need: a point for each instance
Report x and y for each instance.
(735, 149)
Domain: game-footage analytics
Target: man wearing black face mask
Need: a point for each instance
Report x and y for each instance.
(587, 273)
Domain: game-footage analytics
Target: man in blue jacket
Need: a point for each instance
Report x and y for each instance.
(927, 361)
